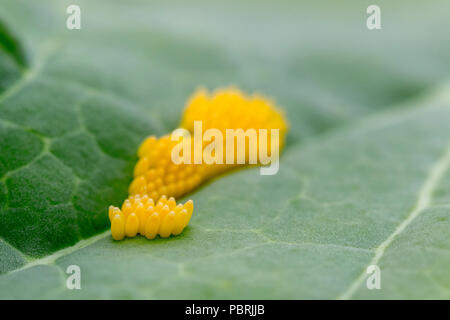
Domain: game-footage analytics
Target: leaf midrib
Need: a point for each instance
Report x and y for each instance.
(424, 201)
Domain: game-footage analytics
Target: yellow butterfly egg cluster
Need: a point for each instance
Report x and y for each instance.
(232, 109)
(140, 215)
(155, 174)
(157, 177)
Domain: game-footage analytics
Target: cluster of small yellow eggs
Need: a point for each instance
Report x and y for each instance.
(156, 177)
(155, 174)
(232, 109)
(140, 215)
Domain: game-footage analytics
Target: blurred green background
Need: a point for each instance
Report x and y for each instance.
(315, 56)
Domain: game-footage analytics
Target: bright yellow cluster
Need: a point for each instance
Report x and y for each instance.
(232, 109)
(155, 174)
(141, 215)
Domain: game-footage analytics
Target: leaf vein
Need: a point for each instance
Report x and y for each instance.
(424, 202)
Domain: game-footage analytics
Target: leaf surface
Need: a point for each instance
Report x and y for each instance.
(364, 178)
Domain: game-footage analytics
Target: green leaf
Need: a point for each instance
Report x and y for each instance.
(12, 58)
(363, 180)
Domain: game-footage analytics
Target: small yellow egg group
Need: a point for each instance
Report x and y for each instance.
(155, 174)
(232, 109)
(157, 177)
(140, 215)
